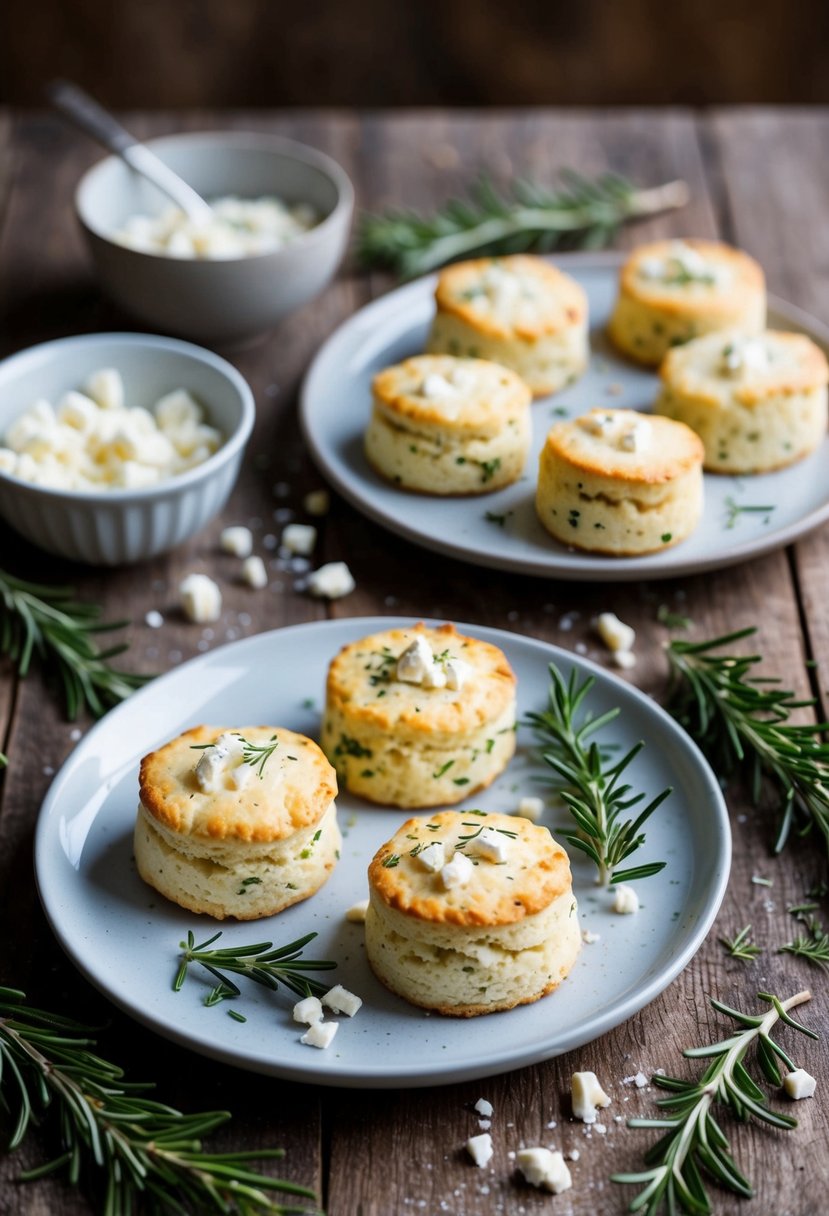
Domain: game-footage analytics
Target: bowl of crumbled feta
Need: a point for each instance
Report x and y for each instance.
(116, 447)
(281, 214)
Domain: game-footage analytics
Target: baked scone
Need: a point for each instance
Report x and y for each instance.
(237, 822)
(518, 311)
(757, 403)
(420, 716)
(616, 482)
(672, 291)
(442, 425)
(471, 912)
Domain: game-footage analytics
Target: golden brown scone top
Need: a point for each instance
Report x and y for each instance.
(795, 365)
(536, 871)
(740, 277)
(674, 449)
(296, 787)
(544, 300)
(362, 679)
(486, 395)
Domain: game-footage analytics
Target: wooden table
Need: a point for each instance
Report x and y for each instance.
(759, 178)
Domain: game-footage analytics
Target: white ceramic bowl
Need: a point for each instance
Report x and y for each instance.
(116, 527)
(218, 301)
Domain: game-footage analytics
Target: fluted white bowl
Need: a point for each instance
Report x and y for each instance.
(118, 527)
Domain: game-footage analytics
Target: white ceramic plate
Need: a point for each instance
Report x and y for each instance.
(124, 937)
(336, 402)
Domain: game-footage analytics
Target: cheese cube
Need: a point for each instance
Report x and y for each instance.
(615, 634)
(531, 808)
(107, 388)
(236, 540)
(457, 872)
(480, 1149)
(625, 901)
(356, 914)
(587, 1095)
(544, 1169)
(321, 1034)
(332, 581)
(299, 538)
(340, 1000)
(308, 1010)
(799, 1084)
(254, 572)
(201, 599)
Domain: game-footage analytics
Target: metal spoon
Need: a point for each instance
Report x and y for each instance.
(92, 118)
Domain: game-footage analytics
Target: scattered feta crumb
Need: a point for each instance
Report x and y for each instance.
(317, 502)
(340, 1000)
(589, 938)
(299, 538)
(75, 734)
(356, 914)
(201, 599)
(574, 1154)
(254, 572)
(799, 1084)
(624, 659)
(236, 540)
(587, 1095)
(615, 634)
(638, 1079)
(484, 1108)
(331, 581)
(600, 1128)
(531, 808)
(433, 856)
(625, 900)
(457, 872)
(153, 619)
(544, 1169)
(480, 1149)
(308, 1010)
(321, 1034)
(490, 845)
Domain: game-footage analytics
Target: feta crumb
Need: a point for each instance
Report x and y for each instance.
(236, 540)
(490, 845)
(638, 1079)
(254, 572)
(332, 581)
(615, 634)
(434, 676)
(217, 761)
(308, 1011)
(340, 1000)
(321, 1034)
(317, 502)
(625, 900)
(299, 538)
(356, 914)
(574, 1154)
(544, 1169)
(484, 1124)
(153, 619)
(415, 661)
(600, 1128)
(106, 388)
(590, 938)
(480, 1149)
(457, 872)
(531, 808)
(433, 856)
(799, 1084)
(200, 598)
(457, 673)
(637, 438)
(484, 1108)
(624, 659)
(587, 1095)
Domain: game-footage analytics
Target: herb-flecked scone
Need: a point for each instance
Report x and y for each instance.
(238, 821)
(441, 425)
(616, 482)
(758, 403)
(673, 291)
(518, 311)
(419, 717)
(471, 913)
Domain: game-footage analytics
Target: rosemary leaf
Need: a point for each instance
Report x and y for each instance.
(259, 962)
(741, 946)
(813, 945)
(581, 213)
(135, 1151)
(590, 784)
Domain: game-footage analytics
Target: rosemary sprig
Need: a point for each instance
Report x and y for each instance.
(735, 509)
(694, 1142)
(255, 754)
(49, 624)
(258, 962)
(582, 213)
(741, 721)
(813, 945)
(741, 946)
(590, 785)
(130, 1147)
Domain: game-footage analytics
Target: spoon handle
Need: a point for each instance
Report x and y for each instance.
(92, 118)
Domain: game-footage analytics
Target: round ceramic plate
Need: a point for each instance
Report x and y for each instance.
(502, 529)
(124, 937)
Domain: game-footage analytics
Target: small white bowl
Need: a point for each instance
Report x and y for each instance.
(227, 300)
(117, 527)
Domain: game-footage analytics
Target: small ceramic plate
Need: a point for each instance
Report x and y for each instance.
(501, 529)
(124, 936)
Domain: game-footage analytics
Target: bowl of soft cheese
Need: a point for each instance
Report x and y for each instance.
(117, 447)
(281, 214)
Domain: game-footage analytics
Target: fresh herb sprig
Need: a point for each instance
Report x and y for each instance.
(735, 509)
(694, 1145)
(49, 624)
(130, 1148)
(813, 944)
(259, 962)
(742, 721)
(582, 213)
(256, 755)
(590, 783)
(741, 946)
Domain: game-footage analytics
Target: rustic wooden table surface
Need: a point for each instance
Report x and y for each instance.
(759, 178)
